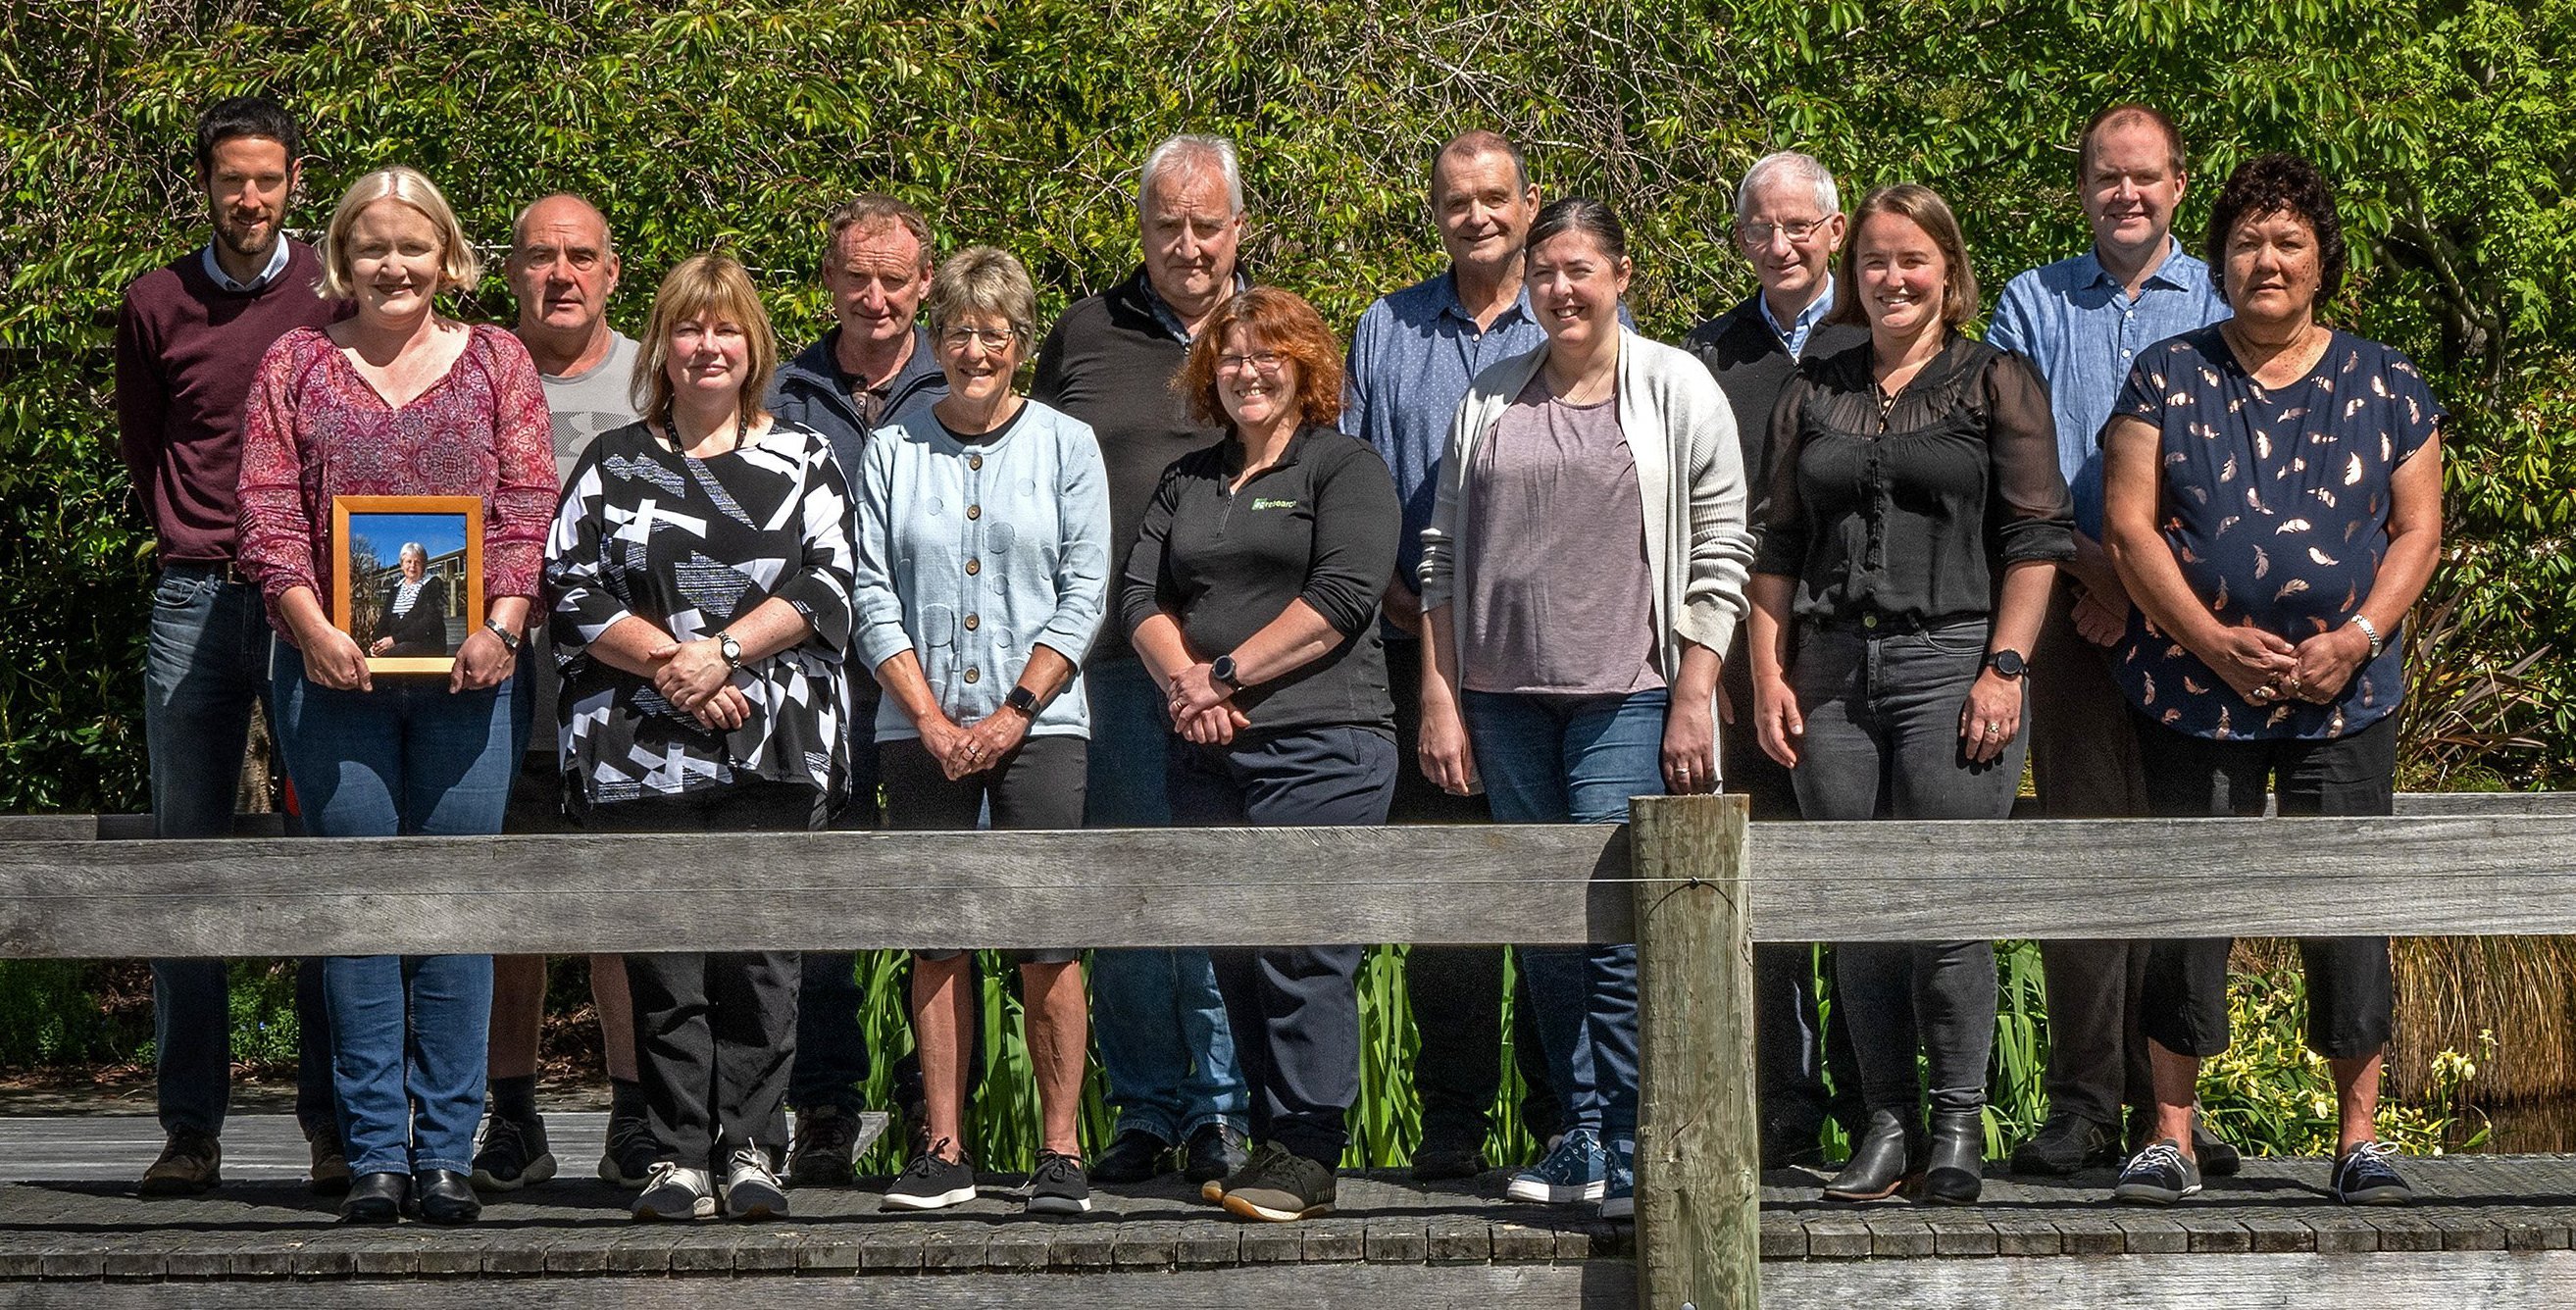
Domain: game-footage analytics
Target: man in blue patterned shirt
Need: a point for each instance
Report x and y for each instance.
(2084, 321)
(1411, 358)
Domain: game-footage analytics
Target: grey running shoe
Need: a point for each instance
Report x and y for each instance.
(2159, 1175)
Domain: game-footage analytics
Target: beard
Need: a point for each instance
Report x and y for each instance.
(243, 238)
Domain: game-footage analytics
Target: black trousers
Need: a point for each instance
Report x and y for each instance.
(715, 1034)
(2351, 990)
(1456, 992)
(1294, 1009)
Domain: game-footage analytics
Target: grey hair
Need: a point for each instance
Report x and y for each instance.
(1787, 165)
(1188, 149)
(412, 548)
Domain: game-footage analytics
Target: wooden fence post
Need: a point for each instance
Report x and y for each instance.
(1699, 1231)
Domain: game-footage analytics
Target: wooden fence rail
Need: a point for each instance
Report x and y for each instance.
(1688, 879)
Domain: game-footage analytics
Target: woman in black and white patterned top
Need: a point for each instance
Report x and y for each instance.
(702, 571)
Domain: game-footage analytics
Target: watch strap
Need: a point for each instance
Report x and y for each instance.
(509, 639)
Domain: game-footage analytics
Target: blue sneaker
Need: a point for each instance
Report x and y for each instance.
(1576, 1170)
(1619, 1190)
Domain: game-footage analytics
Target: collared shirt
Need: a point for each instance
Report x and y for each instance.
(1170, 318)
(1795, 335)
(1412, 357)
(277, 256)
(2084, 331)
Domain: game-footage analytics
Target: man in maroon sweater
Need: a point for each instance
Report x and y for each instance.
(188, 343)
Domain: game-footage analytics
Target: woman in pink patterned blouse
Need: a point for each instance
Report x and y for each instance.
(399, 401)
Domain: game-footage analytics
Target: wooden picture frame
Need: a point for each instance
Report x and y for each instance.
(370, 535)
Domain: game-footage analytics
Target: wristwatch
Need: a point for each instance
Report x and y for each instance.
(2008, 664)
(1023, 700)
(509, 639)
(730, 649)
(1222, 669)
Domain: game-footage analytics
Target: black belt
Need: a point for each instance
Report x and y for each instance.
(1877, 623)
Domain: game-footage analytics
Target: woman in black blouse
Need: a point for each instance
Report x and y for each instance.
(1905, 556)
(412, 614)
(702, 571)
(1252, 595)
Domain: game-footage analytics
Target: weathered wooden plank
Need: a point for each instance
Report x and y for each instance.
(2436, 1281)
(1838, 1235)
(54, 827)
(572, 894)
(2027, 1235)
(1330, 1241)
(1150, 1244)
(1081, 1247)
(2089, 1232)
(1208, 1244)
(1784, 1235)
(948, 1248)
(2274, 1230)
(2146, 1232)
(1698, 1198)
(1402, 1239)
(1960, 1232)
(1900, 1236)
(1514, 1243)
(1452, 1239)
(1016, 1248)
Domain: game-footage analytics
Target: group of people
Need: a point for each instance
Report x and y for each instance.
(2156, 531)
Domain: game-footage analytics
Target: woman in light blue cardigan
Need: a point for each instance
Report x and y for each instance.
(983, 542)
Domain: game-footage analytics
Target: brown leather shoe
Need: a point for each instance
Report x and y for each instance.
(330, 1175)
(191, 1162)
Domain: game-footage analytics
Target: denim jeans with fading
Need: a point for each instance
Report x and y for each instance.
(1557, 759)
(408, 1031)
(205, 670)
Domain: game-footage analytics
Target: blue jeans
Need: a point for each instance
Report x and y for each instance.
(205, 668)
(1554, 759)
(1157, 1015)
(407, 1031)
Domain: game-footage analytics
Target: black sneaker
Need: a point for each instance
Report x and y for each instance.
(1056, 1186)
(827, 1136)
(2065, 1144)
(2159, 1175)
(1133, 1156)
(930, 1183)
(2363, 1176)
(513, 1154)
(1213, 1190)
(626, 1159)
(1287, 1188)
(1214, 1151)
(1439, 1162)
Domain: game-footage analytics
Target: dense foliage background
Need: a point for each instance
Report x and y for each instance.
(738, 123)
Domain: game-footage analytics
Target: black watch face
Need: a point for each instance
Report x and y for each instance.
(2008, 663)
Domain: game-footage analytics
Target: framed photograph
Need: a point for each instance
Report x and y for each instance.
(407, 577)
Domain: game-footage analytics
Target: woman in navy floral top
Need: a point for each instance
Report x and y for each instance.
(2273, 501)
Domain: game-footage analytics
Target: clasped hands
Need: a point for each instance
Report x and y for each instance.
(694, 677)
(1202, 708)
(2264, 667)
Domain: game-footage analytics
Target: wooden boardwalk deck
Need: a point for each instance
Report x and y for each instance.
(2489, 1231)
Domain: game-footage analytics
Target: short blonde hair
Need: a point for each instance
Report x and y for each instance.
(713, 285)
(458, 266)
(984, 280)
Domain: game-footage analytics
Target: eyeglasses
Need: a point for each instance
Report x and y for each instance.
(993, 340)
(1799, 233)
(1265, 362)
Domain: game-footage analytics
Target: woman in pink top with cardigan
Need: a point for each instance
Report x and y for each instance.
(398, 400)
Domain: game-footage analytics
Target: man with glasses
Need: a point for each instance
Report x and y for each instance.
(1789, 224)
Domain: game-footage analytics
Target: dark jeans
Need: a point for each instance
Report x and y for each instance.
(832, 1056)
(1792, 1046)
(2351, 993)
(408, 1032)
(1557, 759)
(1156, 1016)
(1456, 992)
(715, 1033)
(1293, 1009)
(1882, 741)
(2084, 760)
(205, 669)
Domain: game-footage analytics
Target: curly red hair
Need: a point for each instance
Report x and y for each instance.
(1279, 321)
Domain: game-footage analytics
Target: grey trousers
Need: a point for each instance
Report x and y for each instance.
(2084, 758)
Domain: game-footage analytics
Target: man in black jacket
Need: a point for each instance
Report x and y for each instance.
(1789, 223)
(875, 362)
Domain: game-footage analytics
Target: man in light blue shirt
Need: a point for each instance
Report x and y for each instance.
(2084, 321)
(1411, 358)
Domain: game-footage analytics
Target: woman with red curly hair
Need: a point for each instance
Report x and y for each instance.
(1252, 596)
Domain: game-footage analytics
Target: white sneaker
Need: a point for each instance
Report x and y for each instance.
(751, 1191)
(676, 1192)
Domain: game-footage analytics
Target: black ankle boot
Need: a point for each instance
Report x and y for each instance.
(1883, 1161)
(1955, 1171)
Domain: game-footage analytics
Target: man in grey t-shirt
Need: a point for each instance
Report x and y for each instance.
(562, 268)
